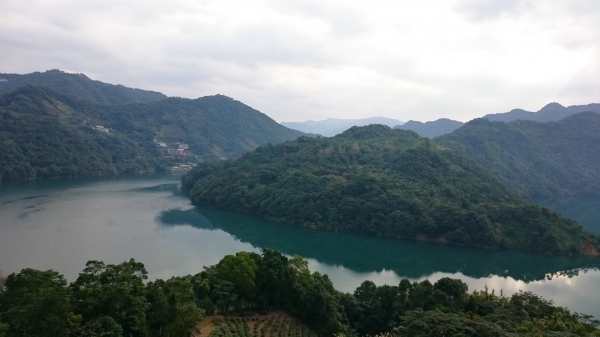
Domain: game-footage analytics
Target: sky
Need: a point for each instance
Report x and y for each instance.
(299, 60)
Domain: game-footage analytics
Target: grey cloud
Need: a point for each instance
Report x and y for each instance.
(343, 19)
(478, 10)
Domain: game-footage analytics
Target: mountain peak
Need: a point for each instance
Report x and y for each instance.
(552, 106)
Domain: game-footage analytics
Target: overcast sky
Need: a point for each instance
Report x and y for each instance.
(306, 59)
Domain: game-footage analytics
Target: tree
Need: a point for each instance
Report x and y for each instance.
(36, 303)
(241, 271)
(115, 291)
(274, 279)
(173, 311)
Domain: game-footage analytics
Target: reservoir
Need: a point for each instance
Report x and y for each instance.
(61, 224)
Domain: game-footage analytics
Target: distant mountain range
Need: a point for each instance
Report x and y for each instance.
(559, 158)
(79, 85)
(333, 126)
(431, 129)
(46, 133)
(550, 112)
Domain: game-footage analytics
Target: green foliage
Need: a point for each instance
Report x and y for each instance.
(173, 311)
(115, 291)
(41, 138)
(112, 301)
(36, 303)
(538, 159)
(379, 181)
(44, 134)
(241, 271)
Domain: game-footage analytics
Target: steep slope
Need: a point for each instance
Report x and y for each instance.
(37, 123)
(333, 126)
(42, 137)
(214, 126)
(79, 85)
(380, 181)
(550, 112)
(431, 129)
(539, 159)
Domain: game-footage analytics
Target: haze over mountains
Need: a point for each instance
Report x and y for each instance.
(431, 129)
(333, 126)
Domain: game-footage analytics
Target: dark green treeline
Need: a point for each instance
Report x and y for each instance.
(113, 300)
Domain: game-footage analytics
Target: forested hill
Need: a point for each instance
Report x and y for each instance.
(214, 126)
(46, 134)
(376, 180)
(79, 85)
(550, 112)
(431, 129)
(538, 159)
(42, 135)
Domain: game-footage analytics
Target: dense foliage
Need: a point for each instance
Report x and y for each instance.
(112, 300)
(81, 86)
(41, 137)
(538, 159)
(386, 182)
(105, 300)
(45, 134)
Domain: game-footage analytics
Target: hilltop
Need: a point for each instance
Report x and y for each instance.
(537, 159)
(431, 129)
(375, 180)
(79, 85)
(550, 112)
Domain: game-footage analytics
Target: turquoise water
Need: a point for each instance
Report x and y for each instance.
(61, 224)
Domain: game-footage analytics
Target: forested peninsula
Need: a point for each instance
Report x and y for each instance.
(375, 180)
(249, 292)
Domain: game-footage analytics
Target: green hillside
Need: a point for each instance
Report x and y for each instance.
(47, 134)
(538, 159)
(79, 85)
(43, 137)
(376, 180)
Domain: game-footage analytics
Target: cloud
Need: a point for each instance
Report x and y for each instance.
(309, 59)
(479, 10)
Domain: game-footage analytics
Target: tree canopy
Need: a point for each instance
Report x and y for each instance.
(112, 300)
(380, 181)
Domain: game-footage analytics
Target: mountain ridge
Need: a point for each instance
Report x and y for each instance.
(550, 112)
(79, 85)
(556, 158)
(212, 127)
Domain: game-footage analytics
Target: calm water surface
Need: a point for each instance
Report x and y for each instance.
(61, 224)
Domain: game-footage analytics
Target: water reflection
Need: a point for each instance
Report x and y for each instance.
(367, 253)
